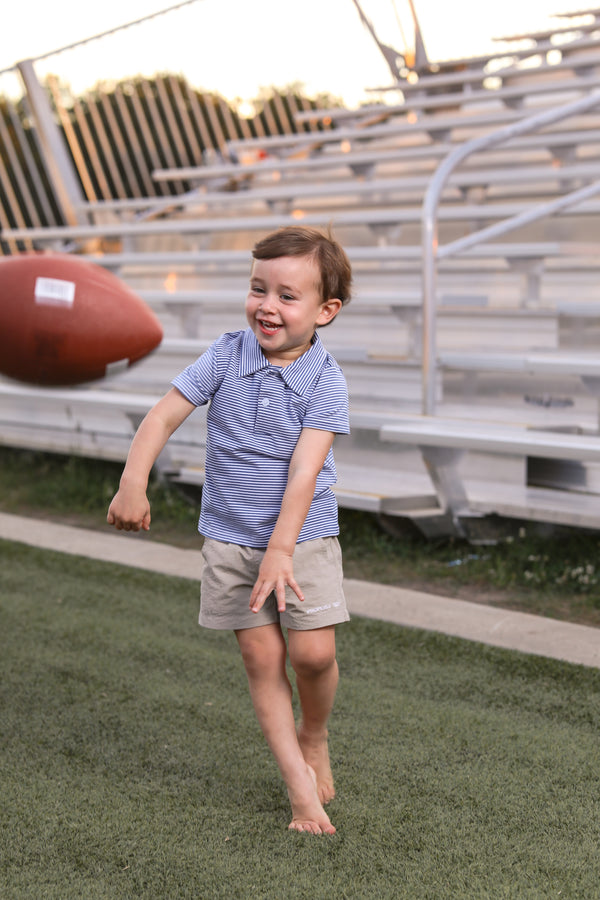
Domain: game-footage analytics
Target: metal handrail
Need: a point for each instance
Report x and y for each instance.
(429, 221)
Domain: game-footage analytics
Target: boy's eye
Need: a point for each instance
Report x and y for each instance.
(286, 297)
(256, 289)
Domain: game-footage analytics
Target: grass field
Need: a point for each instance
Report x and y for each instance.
(132, 765)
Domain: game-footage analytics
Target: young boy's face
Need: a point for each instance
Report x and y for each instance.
(284, 306)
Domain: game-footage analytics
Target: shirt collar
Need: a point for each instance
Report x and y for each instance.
(298, 376)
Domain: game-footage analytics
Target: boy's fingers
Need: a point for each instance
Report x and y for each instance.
(280, 594)
(296, 589)
(257, 598)
(260, 594)
(127, 524)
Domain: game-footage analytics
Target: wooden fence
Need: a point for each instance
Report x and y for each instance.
(116, 137)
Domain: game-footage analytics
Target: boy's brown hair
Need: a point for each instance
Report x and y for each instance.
(300, 240)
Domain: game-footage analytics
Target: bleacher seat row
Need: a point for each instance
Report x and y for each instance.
(517, 321)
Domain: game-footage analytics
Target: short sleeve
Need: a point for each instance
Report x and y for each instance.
(199, 381)
(328, 408)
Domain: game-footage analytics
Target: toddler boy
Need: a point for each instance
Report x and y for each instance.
(269, 517)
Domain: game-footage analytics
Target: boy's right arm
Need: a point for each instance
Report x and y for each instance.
(130, 509)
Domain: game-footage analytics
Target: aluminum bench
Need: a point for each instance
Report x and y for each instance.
(348, 190)
(443, 443)
(509, 94)
(384, 217)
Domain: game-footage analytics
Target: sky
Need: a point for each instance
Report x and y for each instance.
(237, 47)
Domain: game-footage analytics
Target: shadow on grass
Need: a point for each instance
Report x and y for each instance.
(132, 765)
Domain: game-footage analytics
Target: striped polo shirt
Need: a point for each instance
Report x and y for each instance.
(254, 420)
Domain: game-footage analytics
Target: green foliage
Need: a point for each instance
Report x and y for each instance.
(132, 765)
(74, 488)
(554, 574)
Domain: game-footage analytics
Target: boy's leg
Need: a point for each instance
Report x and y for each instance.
(312, 655)
(264, 654)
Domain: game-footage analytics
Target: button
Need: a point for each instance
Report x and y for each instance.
(265, 401)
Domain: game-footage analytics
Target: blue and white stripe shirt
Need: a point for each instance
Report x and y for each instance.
(256, 414)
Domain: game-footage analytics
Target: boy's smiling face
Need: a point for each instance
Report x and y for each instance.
(284, 306)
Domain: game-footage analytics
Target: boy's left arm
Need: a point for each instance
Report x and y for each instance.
(276, 570)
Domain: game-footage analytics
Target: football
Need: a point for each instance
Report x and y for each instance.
(65, 321)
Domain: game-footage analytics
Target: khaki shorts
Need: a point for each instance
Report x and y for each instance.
(230, 572)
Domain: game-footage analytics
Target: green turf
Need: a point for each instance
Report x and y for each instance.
(131, 764)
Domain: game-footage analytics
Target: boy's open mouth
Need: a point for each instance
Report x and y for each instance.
(268, 327)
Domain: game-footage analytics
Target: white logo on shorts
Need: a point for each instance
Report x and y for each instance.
(317, 609)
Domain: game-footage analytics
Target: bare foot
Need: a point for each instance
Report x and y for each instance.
(315, 750)
(307, 811)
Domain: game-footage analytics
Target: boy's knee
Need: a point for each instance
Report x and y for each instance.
(250, 658)
(312, 661)
(262, 654)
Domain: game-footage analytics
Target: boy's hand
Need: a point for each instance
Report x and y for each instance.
(129, 510)
(276, 571)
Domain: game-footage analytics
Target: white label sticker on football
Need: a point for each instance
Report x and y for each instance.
(54, 292)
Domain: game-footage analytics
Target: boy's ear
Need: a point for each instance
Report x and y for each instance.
(329, 311)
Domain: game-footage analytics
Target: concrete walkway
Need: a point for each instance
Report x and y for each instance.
(472, 621)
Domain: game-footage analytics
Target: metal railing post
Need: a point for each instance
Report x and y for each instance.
(58, 162)
(431, 251)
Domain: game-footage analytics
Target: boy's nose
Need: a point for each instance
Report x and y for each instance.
(267, 303)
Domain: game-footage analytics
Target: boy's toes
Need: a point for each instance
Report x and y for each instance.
(305, 827)
(309, 827)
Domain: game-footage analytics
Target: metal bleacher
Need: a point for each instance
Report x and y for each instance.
(470, 214)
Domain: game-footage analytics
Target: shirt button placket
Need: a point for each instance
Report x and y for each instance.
(264, 401)
(268, 390)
